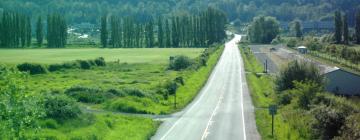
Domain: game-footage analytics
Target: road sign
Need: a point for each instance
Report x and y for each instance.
(272, 109)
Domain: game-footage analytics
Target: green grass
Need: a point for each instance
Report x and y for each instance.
(100, 126)
(145, 69)
(50, 56)
(263, 95)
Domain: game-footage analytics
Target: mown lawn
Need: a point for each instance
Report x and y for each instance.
(50, 56)
(263, 95)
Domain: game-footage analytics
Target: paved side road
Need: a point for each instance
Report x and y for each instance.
(223, 109)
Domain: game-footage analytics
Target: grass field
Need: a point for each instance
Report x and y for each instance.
(99, 126)
(263, 95)
(143, 71)
(50, 56)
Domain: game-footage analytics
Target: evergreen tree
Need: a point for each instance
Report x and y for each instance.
(56, 31)
(39, 31)
(167, 34)
(28, 31)
(160, 33)
(104, 31)
(150, 34)
(345, 29)
(357, 27)
(338, 27)
(297, 29)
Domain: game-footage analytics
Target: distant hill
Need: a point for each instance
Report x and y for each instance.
(78, 11)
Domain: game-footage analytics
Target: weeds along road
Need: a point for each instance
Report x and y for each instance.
(223, 109)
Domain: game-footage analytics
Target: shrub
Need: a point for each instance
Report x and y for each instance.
(180, 62)
(84, 64)
(31, 68)
(134, 92)
(291, 43)
(171, 87)
(306, 92)
(100, 61)
(328, 122)
(70, 65)
(116, 92)
(298, 71)
(86, 94)
(61, 107)
(50, 123)
(351, 128)
(284, 98)
(55, 67)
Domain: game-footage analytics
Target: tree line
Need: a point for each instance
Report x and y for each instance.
(177, 31)
(342, 35)
(263, 29)
(16, 30)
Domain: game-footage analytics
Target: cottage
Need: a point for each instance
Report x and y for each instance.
(342, 82)
(302, 49)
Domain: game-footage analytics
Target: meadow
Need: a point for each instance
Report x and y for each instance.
(132, 81)
(50, 56)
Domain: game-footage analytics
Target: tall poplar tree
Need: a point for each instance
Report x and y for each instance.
(160, 33)
(104, 31)
(357, 27)
(39, 31)
(167, 34)
(338, 27)
(345, 29)
(297, 29)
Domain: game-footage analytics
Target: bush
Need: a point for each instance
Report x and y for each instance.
(100, 61)
(291, 43)
(298, 71)
(284, 98)
(328, 122)
(61, 107)
(351, 128)
(135, 92)
(55, 67)
(171, 87)
(306, 92)
(50, 123)
(84, 64)
(87, 95)
(180, 62)
(31, 68)
(116, 92)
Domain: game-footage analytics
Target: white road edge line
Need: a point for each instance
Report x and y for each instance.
(241, 91)
(197, 101)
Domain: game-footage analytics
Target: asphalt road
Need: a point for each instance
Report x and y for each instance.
(223, 109)
(263, 57)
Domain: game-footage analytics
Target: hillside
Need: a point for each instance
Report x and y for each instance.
(78, 11)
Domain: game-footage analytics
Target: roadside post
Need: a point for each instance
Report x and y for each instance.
(272, 112)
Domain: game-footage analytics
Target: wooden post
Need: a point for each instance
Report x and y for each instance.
(175, 100)
(272, 127)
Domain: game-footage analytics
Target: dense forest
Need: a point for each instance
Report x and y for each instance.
(78, 11)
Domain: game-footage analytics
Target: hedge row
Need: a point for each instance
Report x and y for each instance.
(78, 64)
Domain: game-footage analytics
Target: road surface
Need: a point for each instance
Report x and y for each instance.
(223, 109)
(263, 57)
